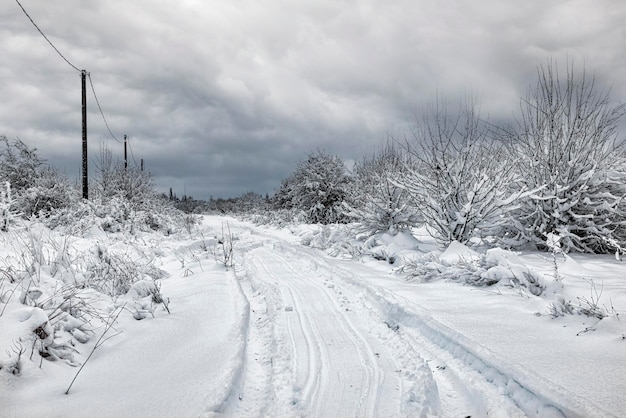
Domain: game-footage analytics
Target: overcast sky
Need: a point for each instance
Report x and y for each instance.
(222, 97)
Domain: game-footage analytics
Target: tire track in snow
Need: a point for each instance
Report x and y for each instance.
(459, 394)
(366, 404)
(285, 345)
(471, 375)
(329, 379)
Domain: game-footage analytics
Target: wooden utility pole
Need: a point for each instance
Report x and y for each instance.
(125, 154)
(83, 75)
(142, 164)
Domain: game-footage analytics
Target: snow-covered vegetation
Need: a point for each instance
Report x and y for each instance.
(462, 271)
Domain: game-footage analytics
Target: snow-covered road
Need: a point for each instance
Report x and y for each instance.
(325, 359)
(330, 337)
(291, 331)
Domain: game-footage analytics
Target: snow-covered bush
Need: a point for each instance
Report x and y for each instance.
(19, 164)
(586, 306)
(117, 215)
(459, 180)
(54, 310)
(128, 183)
(566, 144)
(38, 190)
(115, 273)
(224, 249)
(51, 191)
(279, 218)
(336, 240)
(317, 187)
(462, 264)
(378, 203)
(6, 206)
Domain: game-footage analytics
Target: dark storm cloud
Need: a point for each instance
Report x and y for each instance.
(224, 97)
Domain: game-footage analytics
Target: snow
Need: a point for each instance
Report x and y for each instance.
(293, 330)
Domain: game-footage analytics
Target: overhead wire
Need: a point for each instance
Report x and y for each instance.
(46, 38)
(100, 108)
(131, 151)
(77, 69)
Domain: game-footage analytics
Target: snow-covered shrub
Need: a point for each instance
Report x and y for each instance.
(224, 249)
(317, 187)
(279, 218)
(51, 191)
(586, 306)
(378, 203)
(459, 180)
(37, 189)
(19, 164)
(6, 206)
(336, 240)
(390, 247)
(251, 202)
(127, 183)
(112, 273)
(143, 296)
(117, 215)
(566, 146)
(460, 263)
(14, 364)
(75, 219)
(53, 307)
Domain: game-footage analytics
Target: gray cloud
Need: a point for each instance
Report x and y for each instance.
(224, 97)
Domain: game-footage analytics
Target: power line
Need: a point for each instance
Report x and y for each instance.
(100, 108)
(131, 152)
(45, 37)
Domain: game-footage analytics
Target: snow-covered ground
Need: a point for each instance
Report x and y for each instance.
(293, 330)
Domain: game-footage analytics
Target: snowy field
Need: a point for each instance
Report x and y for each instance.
(299, 325)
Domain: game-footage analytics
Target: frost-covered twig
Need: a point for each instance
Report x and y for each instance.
(553, 241)
(225, 254)
(100, 341)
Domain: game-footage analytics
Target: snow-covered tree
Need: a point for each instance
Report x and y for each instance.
(250, 202)
(317, 187)
(566, 142)
(459, 179)
(37, 188)
(378, 203)
(19, 164)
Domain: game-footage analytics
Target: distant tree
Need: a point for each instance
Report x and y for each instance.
(250, 202)
(317, 187)
(128, 183)
(566, 142)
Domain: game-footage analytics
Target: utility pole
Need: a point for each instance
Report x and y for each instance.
(83, 74)
(125, 154)
(141, 164)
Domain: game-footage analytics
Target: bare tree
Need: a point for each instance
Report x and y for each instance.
(460, 180)
(378, 203)
(131, 184)
(105, 167)
(566, 142)
(19, 164)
